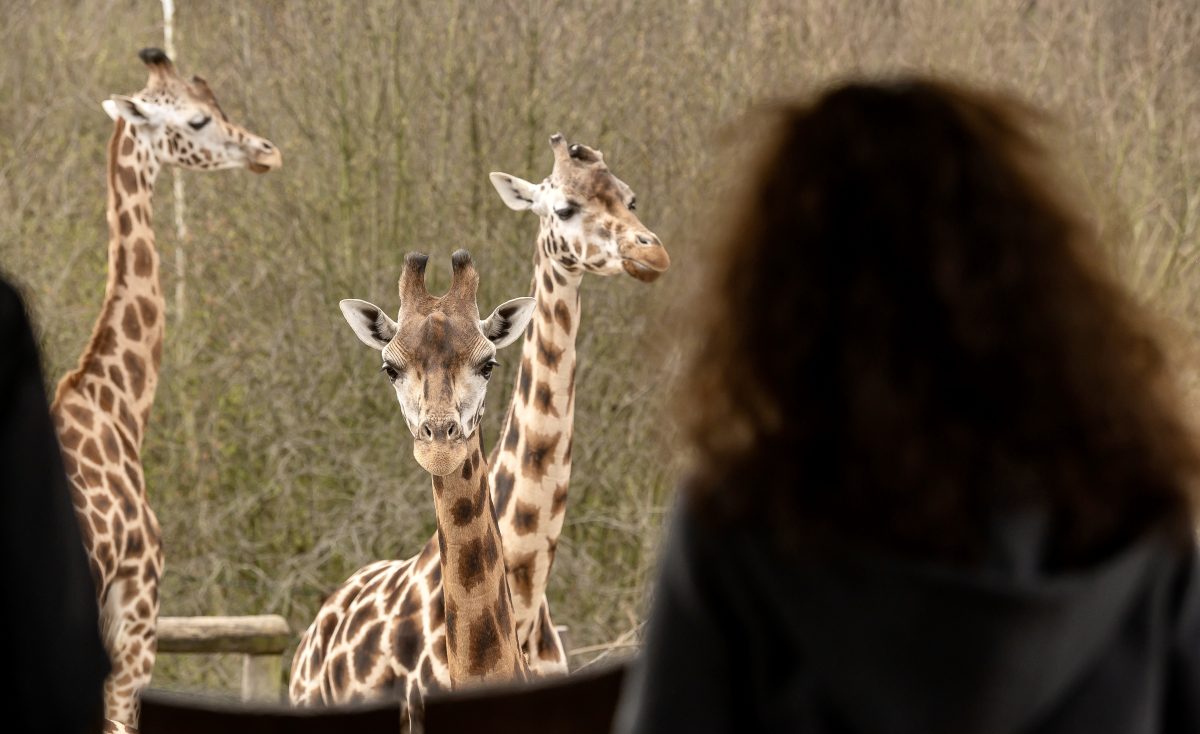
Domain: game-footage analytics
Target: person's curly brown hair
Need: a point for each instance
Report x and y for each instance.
(907, 331)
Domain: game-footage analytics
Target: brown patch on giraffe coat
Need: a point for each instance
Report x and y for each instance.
(70, 438)
(136, 367)
(106, 399)
(106, 341)
(548, 650)
(525, 518)
(525, 379)
(135, 544)
(471, 567)
(520, 576)
(366, 650)
(539, 450)
(407, 643)
(108, 439)
(82, 415)
(114, 374)
(439, 649)
(503, 608)
(485, 644)
(437, 609)
(411, 605)
(543, 399)
(131, 324)
(512, 433)
(129, 179)
(547, 283)
(504, 488)
(148, 310)
(463, 510)
(135, 476)
(90, 475)
(125, 224)
(122, 494)
(101, 503)
(361, 616)
(143, 262)
(428, 554)
(126, 146)
(90, 452)
(467, 470)
(337, 674)
(562, 315)
(548, 353)
(427, 676)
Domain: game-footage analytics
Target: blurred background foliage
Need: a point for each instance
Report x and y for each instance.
(277, 459)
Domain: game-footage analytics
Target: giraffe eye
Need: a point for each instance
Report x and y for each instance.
(390, 371)
(197, 123)
(565, 212)
(485, 371)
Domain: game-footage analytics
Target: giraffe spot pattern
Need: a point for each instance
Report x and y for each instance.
(143, 261)
(558, 502)
(512, 433)
(470, 565)
(538, 451)
(520, 576)
(131, 324)
(525, 518)
(543, 399)
(504, 487)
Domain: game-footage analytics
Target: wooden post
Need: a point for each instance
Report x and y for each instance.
(261, 676)
(261, 640)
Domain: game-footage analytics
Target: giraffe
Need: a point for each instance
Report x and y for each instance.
(587, 224)
(101, 407)
(441, 619)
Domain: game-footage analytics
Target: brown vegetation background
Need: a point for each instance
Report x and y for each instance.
(277, 459)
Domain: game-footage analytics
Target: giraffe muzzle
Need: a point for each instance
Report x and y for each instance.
(263, 156)
(645, 258)
(440, 447)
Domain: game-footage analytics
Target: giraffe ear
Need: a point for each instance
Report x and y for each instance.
(508, 321)
(370, 324)
(131, 110)
(516, 192)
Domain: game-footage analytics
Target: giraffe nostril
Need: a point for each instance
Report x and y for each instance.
(644, 240)
(426, 432)
(451, 430)
(266, 145)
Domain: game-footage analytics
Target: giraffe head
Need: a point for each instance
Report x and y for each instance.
(587, 215)
(438, 356)
(184, 126)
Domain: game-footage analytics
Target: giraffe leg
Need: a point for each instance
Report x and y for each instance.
(129, 619)
(543, 647)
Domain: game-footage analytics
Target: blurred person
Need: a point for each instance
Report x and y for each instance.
(941, 482)
(53, 651)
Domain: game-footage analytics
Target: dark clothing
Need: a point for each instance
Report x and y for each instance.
(49, 618)
(740, 639)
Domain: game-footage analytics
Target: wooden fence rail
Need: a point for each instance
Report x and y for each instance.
(260, 639)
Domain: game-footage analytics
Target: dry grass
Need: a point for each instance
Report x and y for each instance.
(276, 460)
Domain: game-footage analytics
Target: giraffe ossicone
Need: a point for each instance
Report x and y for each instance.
(441, 619)
(102, 406)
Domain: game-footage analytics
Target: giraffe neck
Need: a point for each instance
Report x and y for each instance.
(532, 467)
(122, 357)
(481, 641)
